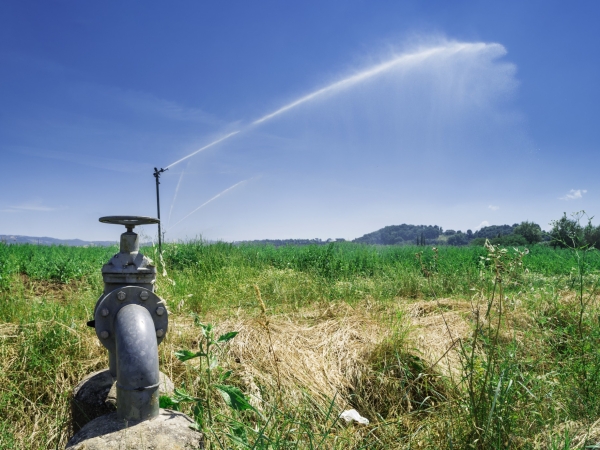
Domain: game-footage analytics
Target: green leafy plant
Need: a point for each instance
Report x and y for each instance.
(488, 367)
(580, 333)
(214, 378)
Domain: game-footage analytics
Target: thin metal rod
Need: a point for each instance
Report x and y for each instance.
(157, 176)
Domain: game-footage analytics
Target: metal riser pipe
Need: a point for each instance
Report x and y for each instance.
(137, 364)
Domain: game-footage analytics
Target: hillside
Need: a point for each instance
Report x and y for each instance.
(431, 235)
(17, 239)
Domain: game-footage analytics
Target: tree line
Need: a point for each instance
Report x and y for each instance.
(574, 231)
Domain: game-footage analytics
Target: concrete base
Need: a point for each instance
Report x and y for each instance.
(96, 395)
(169, 431)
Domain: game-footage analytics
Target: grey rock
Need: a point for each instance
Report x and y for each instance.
(96, 395)
(169, 431)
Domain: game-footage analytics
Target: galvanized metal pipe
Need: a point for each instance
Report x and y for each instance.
(112, 364)
(137, 364)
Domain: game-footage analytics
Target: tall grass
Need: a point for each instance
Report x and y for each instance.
(526, 371)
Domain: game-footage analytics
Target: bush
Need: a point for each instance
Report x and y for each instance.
(531, 231)
(478, 242)
(568, 233)
(513, 240)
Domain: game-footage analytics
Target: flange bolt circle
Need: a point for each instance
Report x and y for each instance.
(144, 295)
(121, 296)
(104, 334)
(160, 311)
(160, 333)
(105, 312)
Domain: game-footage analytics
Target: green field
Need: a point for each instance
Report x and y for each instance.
(456, 347)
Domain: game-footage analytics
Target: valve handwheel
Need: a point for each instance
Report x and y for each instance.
(129, 221)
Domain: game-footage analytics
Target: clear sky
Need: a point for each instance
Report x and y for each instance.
(335, 118)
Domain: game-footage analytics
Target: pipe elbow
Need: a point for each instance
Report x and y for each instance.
(137, 364)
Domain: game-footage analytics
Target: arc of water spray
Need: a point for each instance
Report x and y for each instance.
(364, 75)
(407, 58)
(175, 195)
(203, 148)
(212, 199)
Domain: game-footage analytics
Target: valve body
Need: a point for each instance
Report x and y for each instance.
(131, 321)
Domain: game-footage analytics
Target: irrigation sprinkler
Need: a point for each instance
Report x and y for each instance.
(157, 176)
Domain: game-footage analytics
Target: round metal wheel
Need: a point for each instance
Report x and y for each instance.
(129, 221)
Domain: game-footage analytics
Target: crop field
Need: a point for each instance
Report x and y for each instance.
(449, 347)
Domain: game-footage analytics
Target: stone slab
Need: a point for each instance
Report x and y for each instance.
(96, 395)
(169, 431)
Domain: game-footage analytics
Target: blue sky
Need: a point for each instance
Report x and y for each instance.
(450, 113)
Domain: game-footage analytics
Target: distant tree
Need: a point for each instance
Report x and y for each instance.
(469, 234)
(570, 233)
(458, 239)
(478, 241)
(449, 232)
(398, 234)
(509, 240)
(591, 234)
(531, 231)
(566, 232)
(493, 231)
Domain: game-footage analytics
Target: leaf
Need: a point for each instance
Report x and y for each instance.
(238, 434)
(234, 397)
(207, 327)
(225, 375)
(181, 395)
(167, 402)
(239, 430)
(199, 413)
(196, 426)
(196, 320)
(227, 336)
(184, 355)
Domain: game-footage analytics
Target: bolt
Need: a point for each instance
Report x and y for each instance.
(160, 333)
(144, 295)
(121, 295)
(104, 334)
(105, 312)
(160, 311)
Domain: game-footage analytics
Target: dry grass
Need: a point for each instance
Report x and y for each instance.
(52, 290)
(317, 353)
(436, 328)
(376, 359)
(396, 362)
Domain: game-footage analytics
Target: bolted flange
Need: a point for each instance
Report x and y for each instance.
(109, 306)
